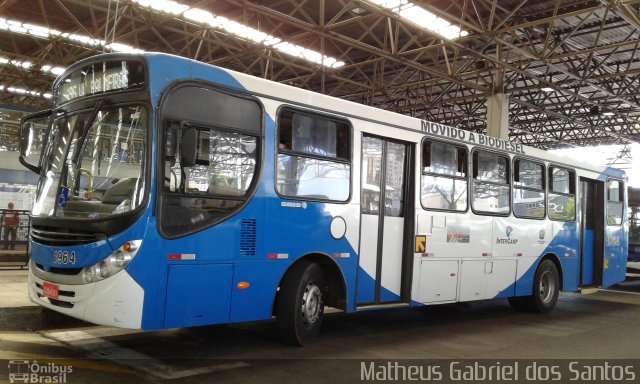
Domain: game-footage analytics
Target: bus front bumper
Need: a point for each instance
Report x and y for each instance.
(116, 301)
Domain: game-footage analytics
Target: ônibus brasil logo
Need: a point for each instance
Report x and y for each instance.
(31, 372)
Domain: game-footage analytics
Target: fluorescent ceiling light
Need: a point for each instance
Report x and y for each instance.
(547, 89)
(20, 64)
(422, 18)
(118, 47)
(26, 65)
(199, 16)
(25, 92)
(46, 33)
(166, 6)
(208, 19)
(54, 70)
(608, 113)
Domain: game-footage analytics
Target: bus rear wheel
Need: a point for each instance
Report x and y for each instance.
(300, 304)
(546, 287)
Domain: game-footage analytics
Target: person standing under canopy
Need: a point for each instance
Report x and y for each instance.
(10, 222)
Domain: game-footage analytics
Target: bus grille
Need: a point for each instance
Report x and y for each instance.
(59, 271)
(61, 236)
(248, 237)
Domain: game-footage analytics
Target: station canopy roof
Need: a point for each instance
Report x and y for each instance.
(569, 68)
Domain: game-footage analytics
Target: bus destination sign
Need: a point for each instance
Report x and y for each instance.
(99, 77)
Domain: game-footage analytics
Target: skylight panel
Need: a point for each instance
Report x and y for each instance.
(168, 7)
(199, 16)
(422, 18)
(206, 18)
(196, 15)
(21, 64)
(46, 33)
(24, 91)
(27, 65)
(50, 69)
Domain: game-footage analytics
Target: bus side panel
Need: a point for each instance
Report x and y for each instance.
(298, 228)
(145, 268)
(521, 241)
(565, 245)
(615, 256)
(256, 301)
(616, 237)
(198, 295)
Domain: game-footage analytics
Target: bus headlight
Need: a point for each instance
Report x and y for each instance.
(103, 270)
(113, 264)
(87, 275)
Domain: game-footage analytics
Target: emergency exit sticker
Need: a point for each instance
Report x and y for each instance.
(421, 241)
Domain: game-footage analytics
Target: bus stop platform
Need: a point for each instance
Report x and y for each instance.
(13, 289)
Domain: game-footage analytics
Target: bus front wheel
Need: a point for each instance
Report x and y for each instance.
(300, 305)
(546, 287)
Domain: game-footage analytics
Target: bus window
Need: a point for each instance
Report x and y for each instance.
(490, 183)
(313, 157)
(226, 157)
(562, 192)
(528, 189)
(615, 202)
(444, 176)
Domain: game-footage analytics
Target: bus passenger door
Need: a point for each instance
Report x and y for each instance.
(382, 262)
(592, 230)
(615, 234)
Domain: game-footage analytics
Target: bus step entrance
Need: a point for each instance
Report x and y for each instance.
(588, 290)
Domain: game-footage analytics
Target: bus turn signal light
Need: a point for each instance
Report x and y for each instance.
(243, 285)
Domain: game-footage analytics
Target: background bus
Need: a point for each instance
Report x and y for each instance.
(634, 231)
(174, 194)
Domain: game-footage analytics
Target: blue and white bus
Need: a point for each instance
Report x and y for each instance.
(633, 202)
(174, 194)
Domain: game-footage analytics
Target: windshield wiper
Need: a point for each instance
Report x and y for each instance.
(92, 116)
(87, 125)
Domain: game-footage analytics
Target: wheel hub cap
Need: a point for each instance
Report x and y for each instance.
(311, 304)
(547, 286)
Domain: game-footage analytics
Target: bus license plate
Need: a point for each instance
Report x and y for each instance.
(50, 290)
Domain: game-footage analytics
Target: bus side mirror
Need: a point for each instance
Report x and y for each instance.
(188, 147)
(171, 143)
(34, 129)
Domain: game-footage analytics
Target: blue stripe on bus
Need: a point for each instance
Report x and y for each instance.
(587, 257)
(565, 245)
(367, 286)
(310, 234)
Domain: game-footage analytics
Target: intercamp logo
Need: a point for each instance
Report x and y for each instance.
(24, 371)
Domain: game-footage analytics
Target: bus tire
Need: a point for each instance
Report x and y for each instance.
(300, 306)
(546, 287)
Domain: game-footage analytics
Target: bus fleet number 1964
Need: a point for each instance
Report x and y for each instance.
(64, 257)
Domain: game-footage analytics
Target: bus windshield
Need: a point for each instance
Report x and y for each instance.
(94, 163)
